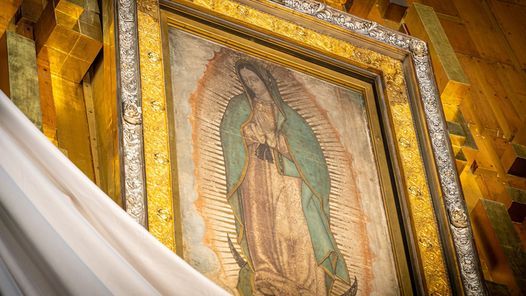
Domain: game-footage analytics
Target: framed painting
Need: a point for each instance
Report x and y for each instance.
(287, 148)
(278, 173)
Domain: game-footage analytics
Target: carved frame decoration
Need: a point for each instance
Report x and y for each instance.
(130, 121)
(147, 184)
(147, 191)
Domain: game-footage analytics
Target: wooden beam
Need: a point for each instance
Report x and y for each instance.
(514, 160)
(69, 38)
(422, 22)
(500, 245)
(7, 12)
(517, 208)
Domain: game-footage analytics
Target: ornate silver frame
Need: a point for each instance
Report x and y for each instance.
(130, 121)
(130, 112)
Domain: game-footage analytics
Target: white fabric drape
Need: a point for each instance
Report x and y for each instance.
(60, 234)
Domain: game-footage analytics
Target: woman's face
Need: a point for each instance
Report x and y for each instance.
(253, 82)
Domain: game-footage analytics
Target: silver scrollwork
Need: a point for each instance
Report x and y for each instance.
(131, 114)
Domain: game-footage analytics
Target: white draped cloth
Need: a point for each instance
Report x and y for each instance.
(61, 235)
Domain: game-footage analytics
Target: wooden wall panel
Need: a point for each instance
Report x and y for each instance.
(72, 124)
(362, 8)
(487, 86)
(512, 20)
(458, 35)
(486, 34)
(514, 82)
(442, 6)
(478, 114)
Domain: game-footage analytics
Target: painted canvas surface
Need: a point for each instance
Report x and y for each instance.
(278, 186)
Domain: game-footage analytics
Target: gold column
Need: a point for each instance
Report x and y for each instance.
(69, 37)
(72, 125)
(155, 125)
(103, 80)
(87, 90)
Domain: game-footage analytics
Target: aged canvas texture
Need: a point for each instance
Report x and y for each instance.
(278, 186)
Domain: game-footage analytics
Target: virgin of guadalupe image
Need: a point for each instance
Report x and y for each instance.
(278, 187)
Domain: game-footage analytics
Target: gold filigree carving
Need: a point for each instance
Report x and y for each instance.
(155, 123)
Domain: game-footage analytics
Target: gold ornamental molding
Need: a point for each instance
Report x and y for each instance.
(155, 125)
